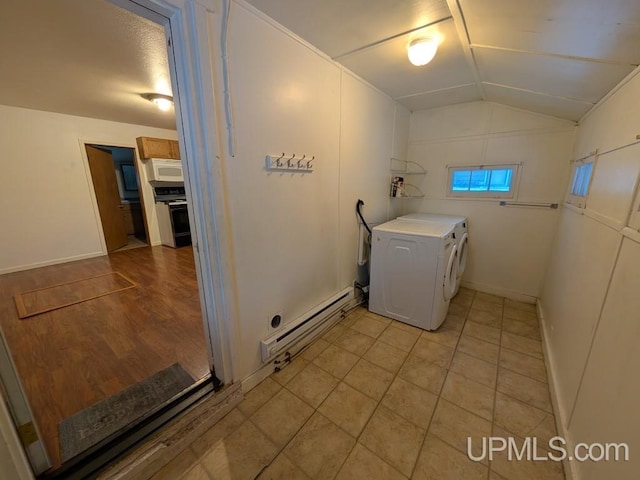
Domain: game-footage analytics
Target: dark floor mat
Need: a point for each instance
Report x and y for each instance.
(97, 422)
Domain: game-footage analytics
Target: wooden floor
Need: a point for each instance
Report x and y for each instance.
(71, 358)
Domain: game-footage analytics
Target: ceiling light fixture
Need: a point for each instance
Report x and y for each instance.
(163, 102)
(422, 50)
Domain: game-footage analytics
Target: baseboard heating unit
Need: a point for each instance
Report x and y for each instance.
(304, 326)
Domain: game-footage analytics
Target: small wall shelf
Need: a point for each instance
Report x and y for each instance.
(403, 168)
(409, 191)
(406, 167)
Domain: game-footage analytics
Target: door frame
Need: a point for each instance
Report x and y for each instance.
(187, 28)
(188, 33)
(94, 202)
(16, 412)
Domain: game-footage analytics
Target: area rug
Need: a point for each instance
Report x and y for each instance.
(62, 295)
(97, 422)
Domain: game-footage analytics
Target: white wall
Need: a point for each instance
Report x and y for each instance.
(367, 143)
(295, 235)
(508, 246)
(590, 300)
(48, 213)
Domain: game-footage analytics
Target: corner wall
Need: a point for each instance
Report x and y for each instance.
(590, 302)
(508, 246)
(47, 210)
(294, 235)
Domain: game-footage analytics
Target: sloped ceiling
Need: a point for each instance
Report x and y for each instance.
(83, 57)
(557, 57)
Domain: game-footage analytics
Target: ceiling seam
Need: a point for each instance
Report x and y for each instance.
(611, 92)
(539, 93)
(388, 39)
(434, 91)
(555, 55)
(465, 41)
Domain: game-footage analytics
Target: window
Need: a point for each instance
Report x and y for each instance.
(580, 182)
(493, 181)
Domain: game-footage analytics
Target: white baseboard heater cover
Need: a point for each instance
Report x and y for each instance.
(294, 331)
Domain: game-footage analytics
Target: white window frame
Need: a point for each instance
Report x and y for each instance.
(515, 180)
(574, 198)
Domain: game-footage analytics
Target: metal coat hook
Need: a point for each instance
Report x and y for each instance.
(293, 163)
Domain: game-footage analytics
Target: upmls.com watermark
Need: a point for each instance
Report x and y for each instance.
(556, 450)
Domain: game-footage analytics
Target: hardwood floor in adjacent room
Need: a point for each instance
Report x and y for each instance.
(71, 358)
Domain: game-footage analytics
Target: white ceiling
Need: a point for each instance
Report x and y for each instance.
(558, 57)
(83, 57)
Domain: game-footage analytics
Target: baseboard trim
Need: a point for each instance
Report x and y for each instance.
(502, 292)
(258, 376)
(560, 415)
(57, 261)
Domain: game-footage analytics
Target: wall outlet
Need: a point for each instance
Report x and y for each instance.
(275, 322)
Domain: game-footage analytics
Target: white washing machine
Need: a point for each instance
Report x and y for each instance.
(461, 235)
(413, 272)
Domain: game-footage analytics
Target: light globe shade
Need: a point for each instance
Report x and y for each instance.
(163, 104)
(422, 51)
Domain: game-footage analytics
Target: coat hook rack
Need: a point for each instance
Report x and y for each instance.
(290, 163)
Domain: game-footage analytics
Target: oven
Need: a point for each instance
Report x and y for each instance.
(173, 217)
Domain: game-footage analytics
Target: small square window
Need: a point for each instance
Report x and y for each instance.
(493, 181)
(580, 182)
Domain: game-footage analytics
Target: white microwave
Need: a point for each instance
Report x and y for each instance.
(164, 170)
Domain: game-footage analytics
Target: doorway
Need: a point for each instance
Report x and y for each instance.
(116, 186)
(74, 357)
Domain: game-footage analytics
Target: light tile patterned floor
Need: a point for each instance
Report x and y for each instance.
(378, 399)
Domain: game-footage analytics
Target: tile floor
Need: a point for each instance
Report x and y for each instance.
(378, 399)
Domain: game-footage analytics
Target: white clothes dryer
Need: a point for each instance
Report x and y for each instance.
(413, 272)
(461, 235)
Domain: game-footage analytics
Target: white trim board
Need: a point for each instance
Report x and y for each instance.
(11, 447)
(559, 414)
(502, 292)
(55, 261)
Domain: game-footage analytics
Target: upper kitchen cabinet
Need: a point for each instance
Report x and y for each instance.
(150, 147)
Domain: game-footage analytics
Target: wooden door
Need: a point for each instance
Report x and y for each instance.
(105, 185)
